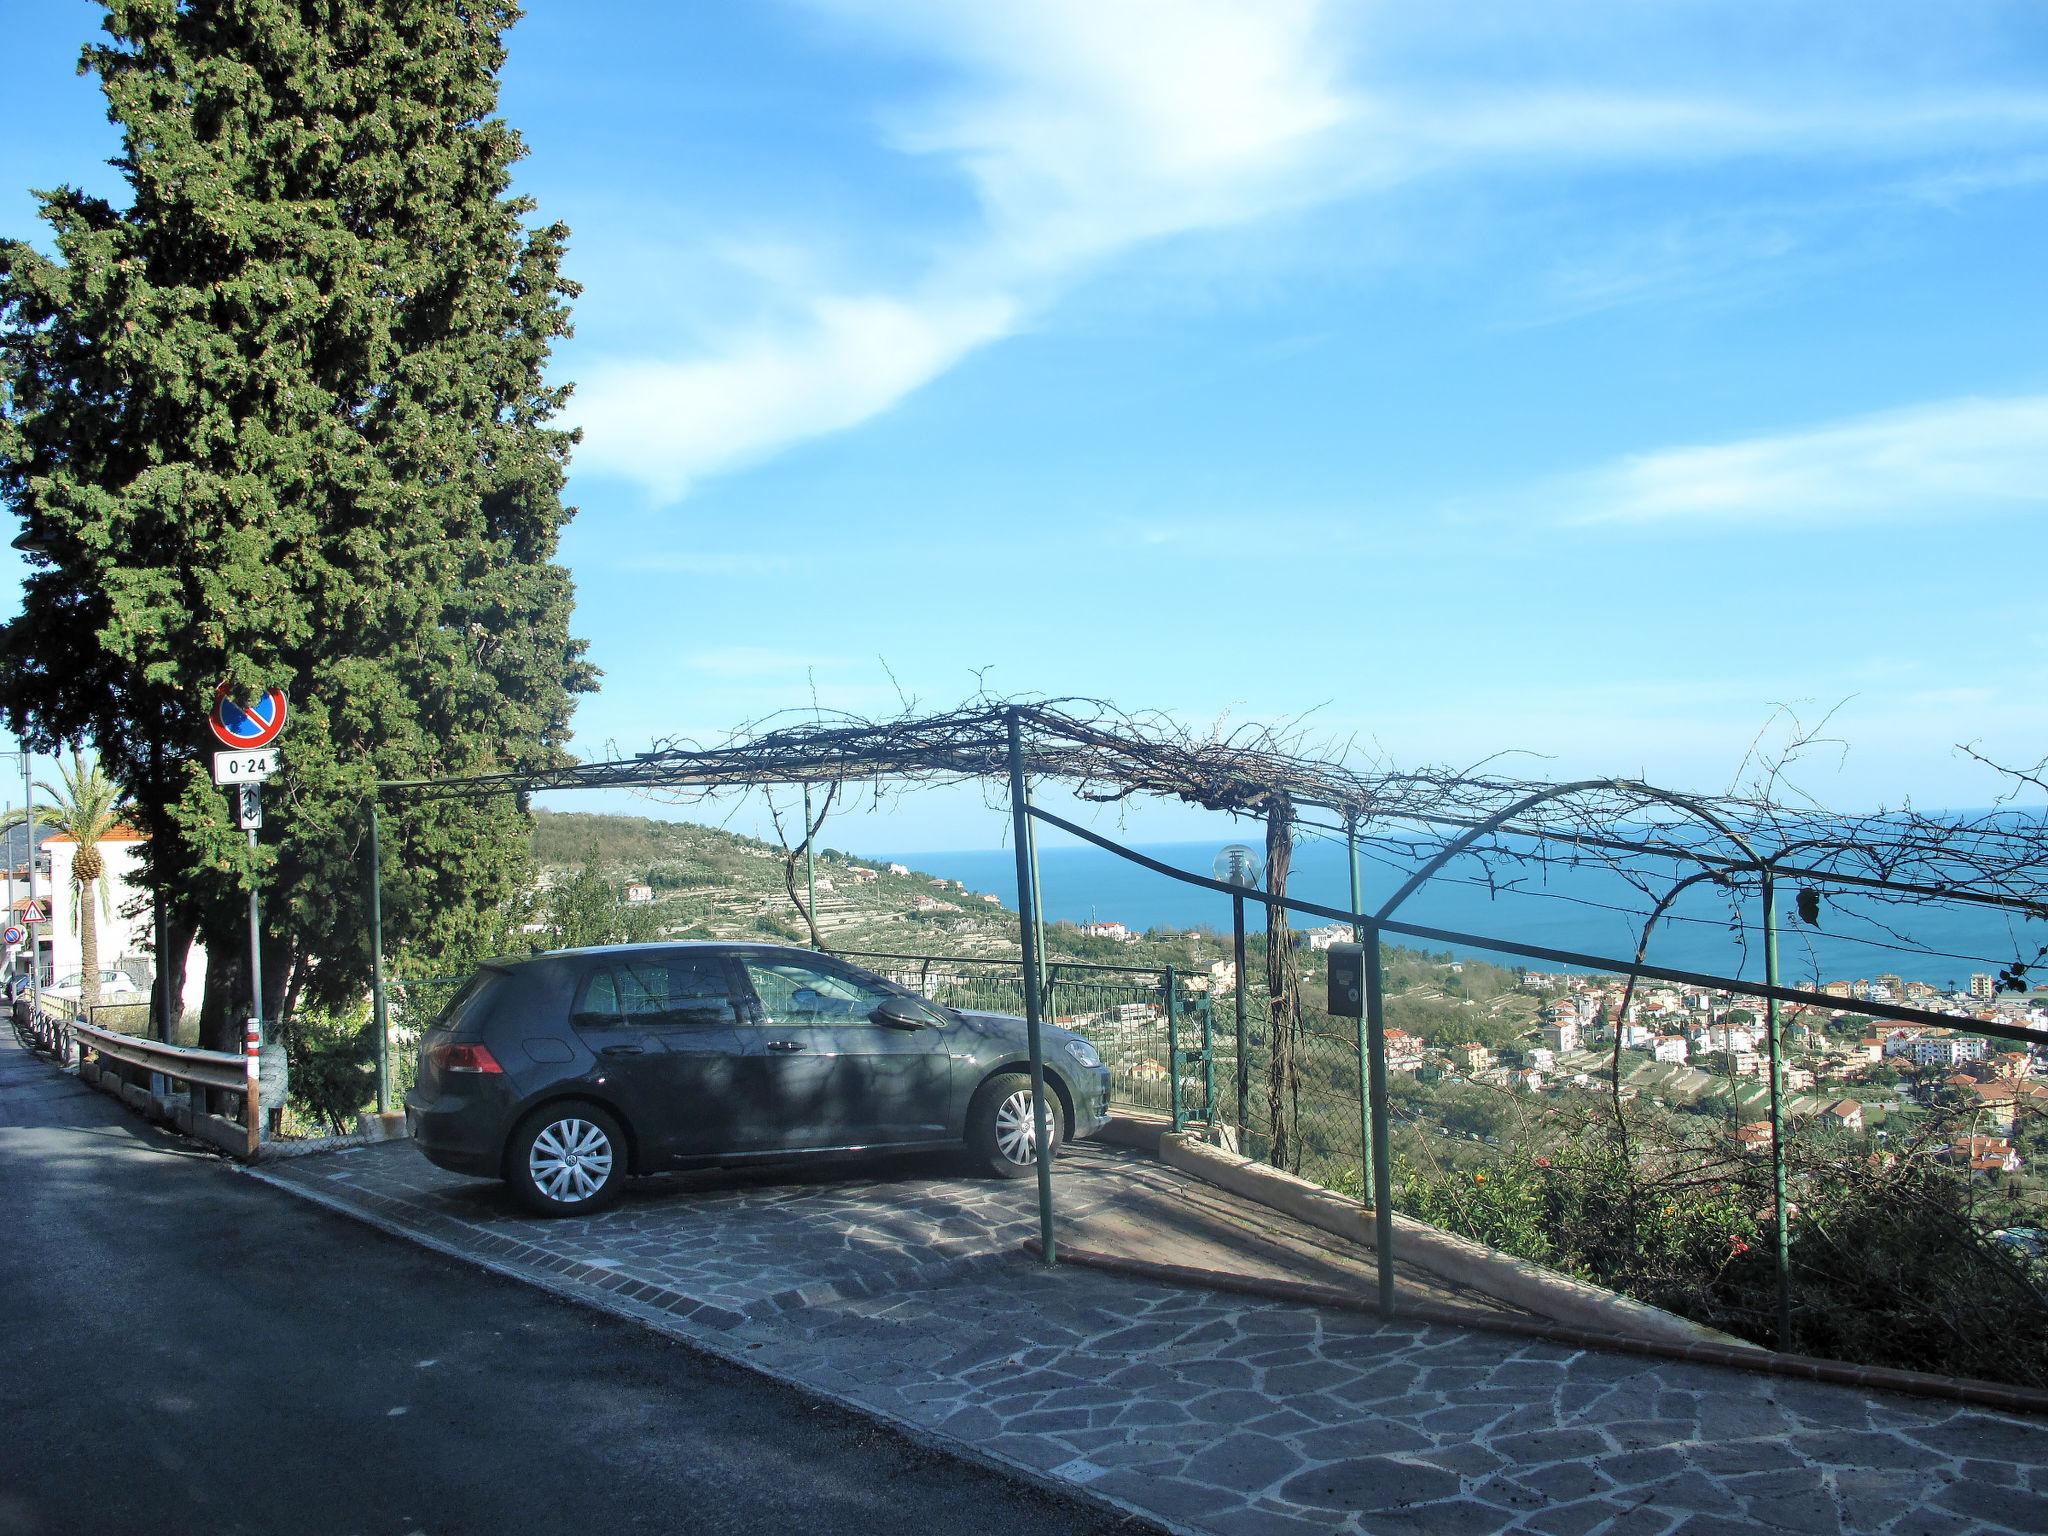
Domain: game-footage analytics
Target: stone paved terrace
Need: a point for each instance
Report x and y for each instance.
(898, 1288)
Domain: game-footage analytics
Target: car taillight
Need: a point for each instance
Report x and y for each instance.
(454, 1057)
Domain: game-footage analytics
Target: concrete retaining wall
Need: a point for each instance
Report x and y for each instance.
(1458, 1260)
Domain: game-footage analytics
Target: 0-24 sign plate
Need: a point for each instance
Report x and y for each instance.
(247, 767)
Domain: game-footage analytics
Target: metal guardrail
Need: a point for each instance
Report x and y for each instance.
(49, 1030)
(199, 1070)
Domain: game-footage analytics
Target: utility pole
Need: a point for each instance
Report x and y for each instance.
(35, 948)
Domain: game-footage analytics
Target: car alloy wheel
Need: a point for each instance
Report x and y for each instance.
(568, 1160)
(1001, 1132)
(1016, 1129)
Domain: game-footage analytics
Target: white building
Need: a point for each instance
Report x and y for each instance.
(125, 942)
(1939, 1050)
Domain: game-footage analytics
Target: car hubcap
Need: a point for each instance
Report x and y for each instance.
(1016, 1134)
(571, 1161)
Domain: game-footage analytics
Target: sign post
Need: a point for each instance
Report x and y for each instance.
(35, 943)
(247, 730)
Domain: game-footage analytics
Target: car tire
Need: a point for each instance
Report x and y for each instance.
(567, 1159)
(1001, 1132)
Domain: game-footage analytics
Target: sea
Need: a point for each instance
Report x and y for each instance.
(1585, 909)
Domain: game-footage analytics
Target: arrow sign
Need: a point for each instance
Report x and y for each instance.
(246, 726)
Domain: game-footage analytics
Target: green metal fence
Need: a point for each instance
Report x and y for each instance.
(1154, 1026)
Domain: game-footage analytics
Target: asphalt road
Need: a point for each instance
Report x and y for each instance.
(184, 1349)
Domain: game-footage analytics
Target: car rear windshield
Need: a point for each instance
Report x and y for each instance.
(468, 1008)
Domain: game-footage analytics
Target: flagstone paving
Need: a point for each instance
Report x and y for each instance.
(900, 1289)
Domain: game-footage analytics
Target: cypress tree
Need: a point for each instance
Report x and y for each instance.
(283, 421)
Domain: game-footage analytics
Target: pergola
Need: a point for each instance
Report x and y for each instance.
(1661, 842)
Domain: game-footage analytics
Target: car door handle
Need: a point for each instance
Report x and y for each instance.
(785, 1045)
(623, 1050)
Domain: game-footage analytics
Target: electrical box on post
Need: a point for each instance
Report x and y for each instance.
(1347, 981)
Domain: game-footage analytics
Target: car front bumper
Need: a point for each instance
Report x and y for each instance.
(1091, 1101)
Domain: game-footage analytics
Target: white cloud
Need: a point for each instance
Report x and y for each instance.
(1083, 128)
(1927, 462)
(667, 424)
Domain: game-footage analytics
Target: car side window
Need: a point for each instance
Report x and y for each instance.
(684, 991)
(597, 1006)
(793, 993)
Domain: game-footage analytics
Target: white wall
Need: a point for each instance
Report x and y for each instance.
(124, 942)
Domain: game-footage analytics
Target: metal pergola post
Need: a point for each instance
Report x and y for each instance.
(810, 869)
(1244, 1055)
(1783, 1253)
(379, 1015)
(1027, 923)
(1173, 1052)
(1376, 1097)
(1051, 978)
(1368, 1137)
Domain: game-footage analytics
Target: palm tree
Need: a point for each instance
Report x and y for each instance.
(88, 806)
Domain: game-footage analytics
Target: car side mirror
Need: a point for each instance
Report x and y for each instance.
(899, 1013)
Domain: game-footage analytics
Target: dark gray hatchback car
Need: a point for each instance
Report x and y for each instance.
(565, 1072)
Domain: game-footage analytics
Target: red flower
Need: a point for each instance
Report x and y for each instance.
(1736, 1246)
(1542, 1162)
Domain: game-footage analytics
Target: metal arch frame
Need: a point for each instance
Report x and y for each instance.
(1376, 1023)
(720, 771)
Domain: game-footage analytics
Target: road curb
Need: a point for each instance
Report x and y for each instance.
(580, 1292)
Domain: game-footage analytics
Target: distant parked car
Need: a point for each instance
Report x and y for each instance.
(565, 1072)
(113, 983)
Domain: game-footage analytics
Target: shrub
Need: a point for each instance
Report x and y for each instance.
(333, 1063)
(1887, 1263)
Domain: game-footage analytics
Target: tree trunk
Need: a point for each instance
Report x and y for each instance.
(88, 944)
(1283, 1027)
(220, 1012)
(177, 961)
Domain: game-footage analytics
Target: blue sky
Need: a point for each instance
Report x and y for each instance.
(1585, 380)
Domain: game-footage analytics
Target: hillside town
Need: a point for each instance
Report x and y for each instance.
(1690, 1048)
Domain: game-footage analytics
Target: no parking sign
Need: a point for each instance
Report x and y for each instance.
(13, 936)
(247, 726)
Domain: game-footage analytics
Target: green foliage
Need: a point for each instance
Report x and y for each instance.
(587, 910)
(283, 421)
(332, 1059)
(1889, 1264)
